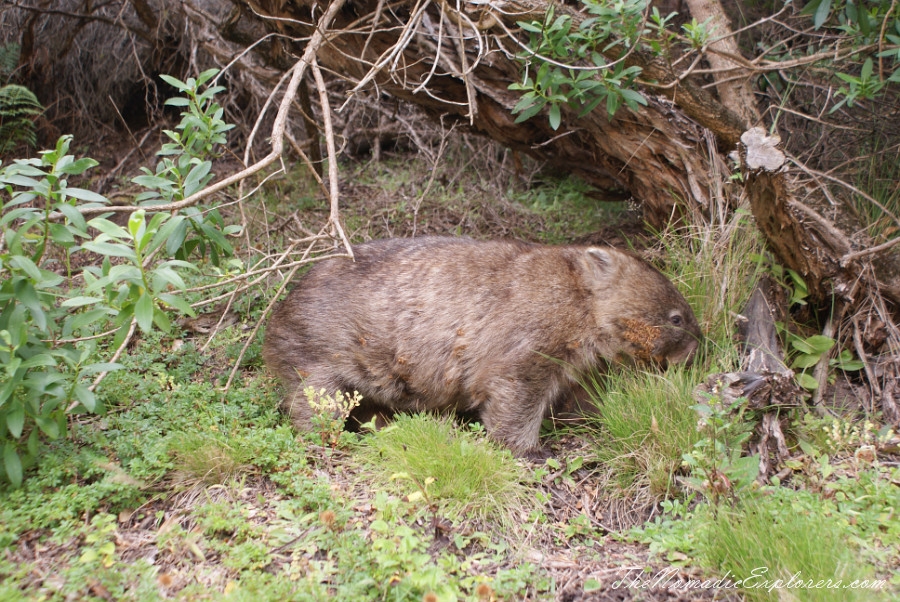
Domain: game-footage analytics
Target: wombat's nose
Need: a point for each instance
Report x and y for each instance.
(686, 354)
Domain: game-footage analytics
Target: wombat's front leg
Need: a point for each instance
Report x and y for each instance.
(512, 418)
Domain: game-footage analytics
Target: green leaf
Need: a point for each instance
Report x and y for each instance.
(80, 301)
(592, 585)
(76, 168)
(555, 116)
(100, 367)
(85, 195)
(531, 111)
(205, 77)
(175, 232)
(161, 319)
(821, 14)
(48, 426)
(153, 182)
(807, 382)
(41, 360)
(135, 222)
(108, 228)
(110, 249)
(820, 343)
(178, 303)
(175, 83)
(143, 312)
(62, 235)
(13, 464)
(75, 218)
(26, 265)
(79, 321)
(805, 361)
(15, 420)
(164, 276)
(866, 71)
(86, 397)
(808, 448)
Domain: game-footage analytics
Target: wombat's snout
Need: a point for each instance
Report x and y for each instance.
(683, 354)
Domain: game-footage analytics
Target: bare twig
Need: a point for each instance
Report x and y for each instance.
(820, 373)
(870, 374)
(252, 337)
(333, 217)
(113, 359)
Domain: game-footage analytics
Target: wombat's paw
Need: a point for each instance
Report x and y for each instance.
(537, 455)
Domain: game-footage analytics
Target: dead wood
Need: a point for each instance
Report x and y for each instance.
(765, 381)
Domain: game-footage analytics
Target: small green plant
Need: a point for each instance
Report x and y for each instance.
(719, 470)
(185, 168)
(209, 459)
(644, 426)
(100, 544)
(806, 352)
(767, 543)
(330, 412)
(698, 34)
(809, 351)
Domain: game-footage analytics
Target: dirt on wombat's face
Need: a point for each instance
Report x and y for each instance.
(502, 329)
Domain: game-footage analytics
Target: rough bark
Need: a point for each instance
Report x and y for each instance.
(660, 155)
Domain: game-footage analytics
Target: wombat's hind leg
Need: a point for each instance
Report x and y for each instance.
(297, 407)
(296, 404)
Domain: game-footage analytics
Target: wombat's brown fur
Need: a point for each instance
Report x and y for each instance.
(499, 328)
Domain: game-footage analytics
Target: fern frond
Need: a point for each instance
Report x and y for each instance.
(9, 58)
(18, 107)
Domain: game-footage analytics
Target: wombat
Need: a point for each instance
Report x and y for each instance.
(502, 329)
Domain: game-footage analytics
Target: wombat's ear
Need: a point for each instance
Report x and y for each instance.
(600, 264)
(601, 260)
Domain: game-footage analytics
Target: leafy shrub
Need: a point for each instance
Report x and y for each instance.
(52, 326)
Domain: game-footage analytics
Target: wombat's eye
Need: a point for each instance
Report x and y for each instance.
(676, 319)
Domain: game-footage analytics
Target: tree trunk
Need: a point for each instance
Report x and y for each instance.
(669, 155)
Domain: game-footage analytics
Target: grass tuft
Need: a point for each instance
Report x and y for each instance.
(645, 425)
(764, 539)
(202, 459)
(461, 470)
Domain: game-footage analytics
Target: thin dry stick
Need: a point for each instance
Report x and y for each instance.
(114, 358)
(249, 285)
(820, 372)
(333, 218)
(870, 374)
(434, 169)
(391, 53)
(813, 172)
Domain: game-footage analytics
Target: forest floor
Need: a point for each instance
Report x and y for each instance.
(182, 490)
